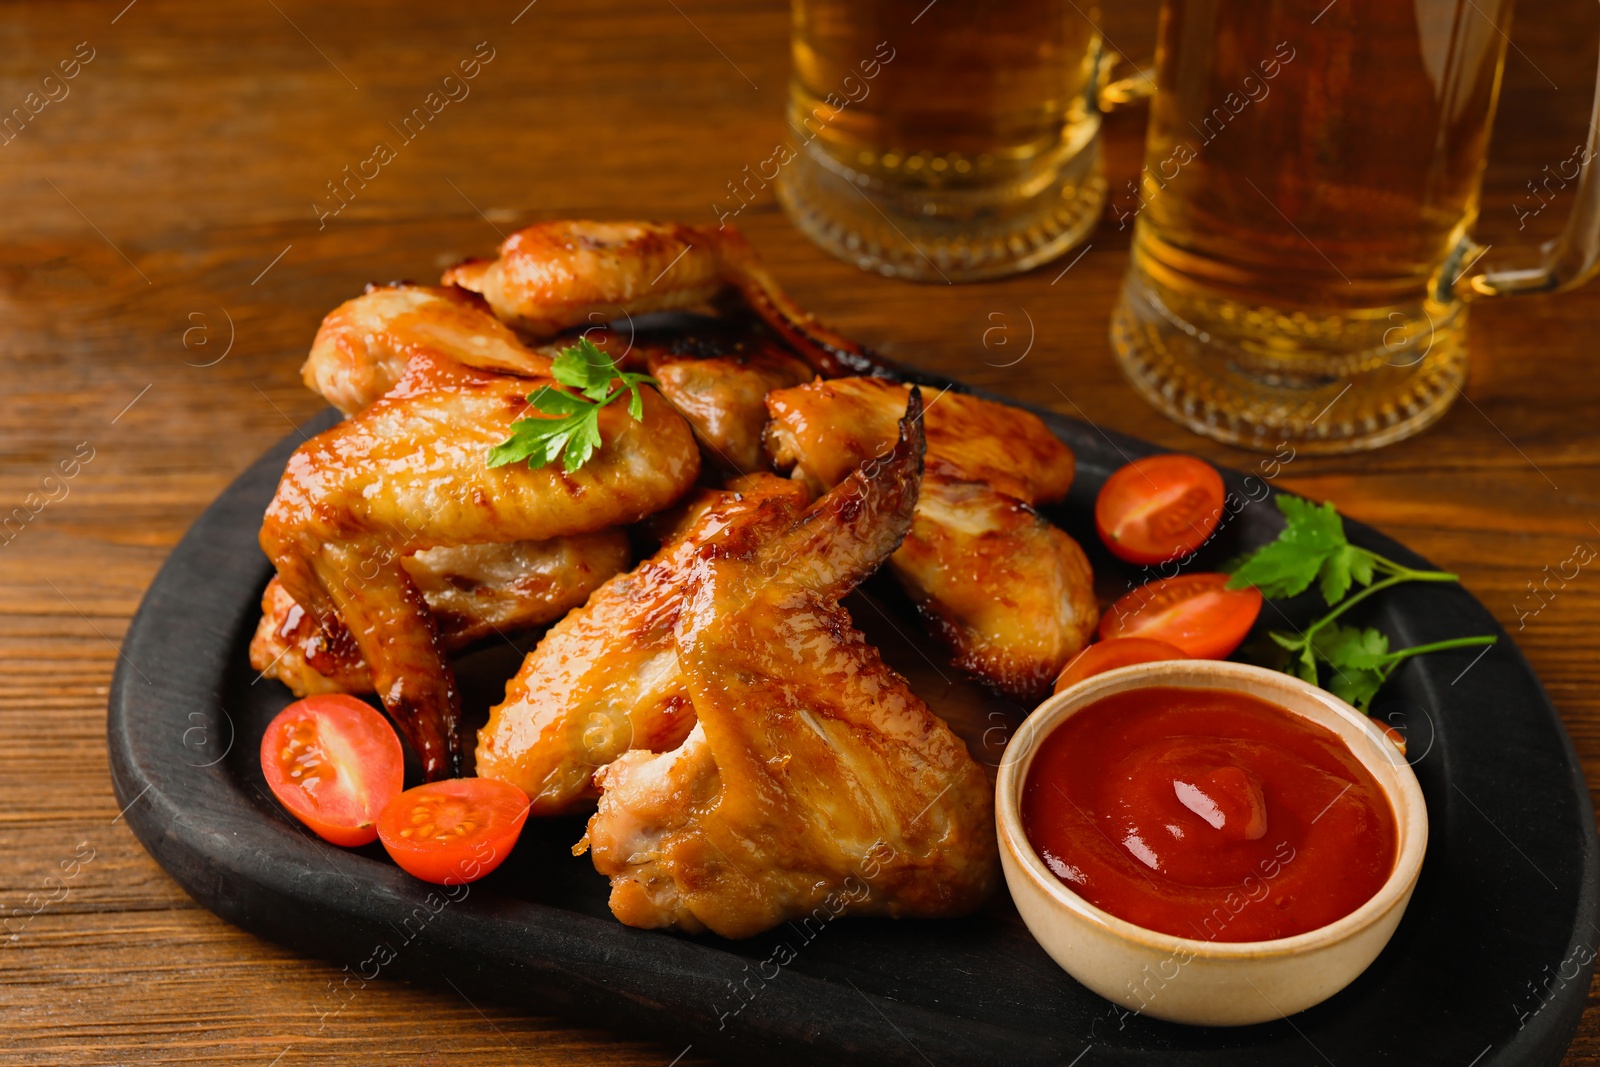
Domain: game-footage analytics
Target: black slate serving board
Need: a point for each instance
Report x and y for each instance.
(1489, 968)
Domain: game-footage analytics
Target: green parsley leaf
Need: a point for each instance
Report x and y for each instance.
(1362, 564)
(1359, 661)
(572, 433)
(1304, 665)
(1313, 548)
(1334, 576)
(555, 402)
(1347, 646)
(585, 368)
(1302, 662)
(1357, 687)
(1287, 567)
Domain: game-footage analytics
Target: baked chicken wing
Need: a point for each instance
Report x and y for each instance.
(409, 473)
(1009, 595)
(553, 276)
(472, 591)
(717, 373)
(814, 781)
(363, 345)
(605, 679)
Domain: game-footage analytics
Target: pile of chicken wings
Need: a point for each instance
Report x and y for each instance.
(745, 752)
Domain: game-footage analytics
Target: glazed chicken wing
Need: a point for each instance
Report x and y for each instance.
(605, 679)
(409, 473)
(553, 276)
(814, 782)
(360, 353)
(824, 430)
(1009, 595)
(363, 345)
(472, 591)
(724, 399)
(717, 373)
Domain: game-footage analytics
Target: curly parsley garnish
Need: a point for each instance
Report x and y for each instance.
(574, 432)
(1313, 548)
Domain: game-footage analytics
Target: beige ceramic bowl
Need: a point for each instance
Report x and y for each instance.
(1209, 983)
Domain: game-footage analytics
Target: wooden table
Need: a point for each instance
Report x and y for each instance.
(164, 269)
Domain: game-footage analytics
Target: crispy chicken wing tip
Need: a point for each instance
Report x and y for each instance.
(847, 534)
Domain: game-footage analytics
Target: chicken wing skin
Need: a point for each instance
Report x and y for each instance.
(292, 647)
(605, 679)
(1010, 596)
(717, 373)
(471, 590)
(825, 429)
(408, 473)
(363, 345)
(724, 400)
(815, 783)
(553, 276)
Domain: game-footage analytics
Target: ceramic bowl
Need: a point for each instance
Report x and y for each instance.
(1185, 980)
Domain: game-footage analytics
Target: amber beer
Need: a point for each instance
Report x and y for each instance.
(1311, 177)
(944, 140)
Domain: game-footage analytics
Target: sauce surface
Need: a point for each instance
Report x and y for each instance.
(1208, 814)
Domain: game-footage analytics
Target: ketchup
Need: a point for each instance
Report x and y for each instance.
(1208, 814)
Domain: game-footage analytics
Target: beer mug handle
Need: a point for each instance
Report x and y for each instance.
(1568, 261)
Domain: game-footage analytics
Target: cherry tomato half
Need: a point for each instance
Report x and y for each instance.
(1159, 508)
(335, 763)
(1196, 612)
(453, 831)
(1117, 652)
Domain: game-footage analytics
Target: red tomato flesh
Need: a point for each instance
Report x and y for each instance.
(1159, 508)
(1196, 612)
(1117, 652)
(453, 831)
(335, 763)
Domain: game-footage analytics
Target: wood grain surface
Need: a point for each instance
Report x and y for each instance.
(162, 271)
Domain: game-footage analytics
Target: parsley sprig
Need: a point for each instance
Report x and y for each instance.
(573, 433)
(1313, 548)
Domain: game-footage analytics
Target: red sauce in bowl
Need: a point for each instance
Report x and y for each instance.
(1208, 814)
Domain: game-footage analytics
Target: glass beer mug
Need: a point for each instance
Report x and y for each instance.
(944, 140)
(1302, 257)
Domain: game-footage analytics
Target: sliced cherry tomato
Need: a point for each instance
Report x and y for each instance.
(453, 831)
(1395, 737)
(1196, 612)
(1159, 508)
(1117, 652)
(335, 763)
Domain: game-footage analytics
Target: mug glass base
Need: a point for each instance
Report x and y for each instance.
(930, 234)
(1256, 382)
